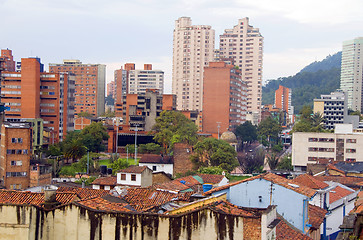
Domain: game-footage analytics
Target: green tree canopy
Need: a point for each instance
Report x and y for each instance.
(150, 148)
(309, 121)
(246, 132)
(173, 127)
(93, 135)
(84, 114)
(269, 130)
(119, 164)
(214, 152)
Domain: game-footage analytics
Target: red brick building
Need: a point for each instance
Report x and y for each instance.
(9, 63)
(224, 97)
(90, 85)
(15, 155)
(34, 94)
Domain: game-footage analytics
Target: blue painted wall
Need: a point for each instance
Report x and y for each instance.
(290, 204)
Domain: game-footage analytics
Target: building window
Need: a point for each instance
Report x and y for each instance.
(154, 168)
(133, 177)
(16, 163)
(350, 150)
(350, 160)
(123, 176)
(313, 139)
(351, 140)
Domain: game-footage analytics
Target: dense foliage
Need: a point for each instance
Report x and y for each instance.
(214, 152)
(315, 79)
(246, 132)
(309, 122)
(173, 127)
(268, 131)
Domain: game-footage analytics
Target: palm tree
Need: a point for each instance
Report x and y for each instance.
(272, 161)
(74, 150)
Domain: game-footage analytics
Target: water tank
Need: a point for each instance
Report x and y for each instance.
(182, 181)
(103, 169)
(207, 187)
(109, 171)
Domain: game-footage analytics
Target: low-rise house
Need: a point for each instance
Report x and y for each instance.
(161, 177)
(292, 200)
(193, 183)
(136, 176)
(67, 215)
(157, 163)
(336, 198)
(349, 169)
(106, 183)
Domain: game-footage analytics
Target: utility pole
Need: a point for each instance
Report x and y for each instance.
(136, 145)
(218, 126)
(117, 125)
(87, 161)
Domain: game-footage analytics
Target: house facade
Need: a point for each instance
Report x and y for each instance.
(138, 176)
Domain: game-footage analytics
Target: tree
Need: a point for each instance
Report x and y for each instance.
(93, 135)
(121, 163)
(246, 132)
(173, 127)
(272, 161)
(355, 113)
(150, 148)
(214, 152)
(253, 163)
(74, 149)
(269, 130)
(212, 170)
(309, 121)
(84, 114)
(285, 163)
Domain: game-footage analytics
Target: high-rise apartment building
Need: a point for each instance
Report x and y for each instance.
(224, 99)
(244, 44)
(134, 81)
(193, 49)
(111, 89)
(283, 102)
(31, 94)
(351, 77)
(8, 64)
(90, 85)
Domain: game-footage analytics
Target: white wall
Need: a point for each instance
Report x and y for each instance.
(167, 168)
(128, 179)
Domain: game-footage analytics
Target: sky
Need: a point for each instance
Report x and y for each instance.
(114, 32)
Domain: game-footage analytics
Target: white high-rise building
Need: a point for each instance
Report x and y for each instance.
(141, 80)
(193, 49)
(351, 72)
(244, 45)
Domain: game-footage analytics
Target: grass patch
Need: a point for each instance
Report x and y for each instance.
(237, 178)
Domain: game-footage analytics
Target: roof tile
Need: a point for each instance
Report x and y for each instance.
(285, 231)
(338, 193)
(133, 169)
(108, 181)
(316, 216)
(310, 181)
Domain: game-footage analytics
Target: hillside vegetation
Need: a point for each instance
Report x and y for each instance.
(313, 80)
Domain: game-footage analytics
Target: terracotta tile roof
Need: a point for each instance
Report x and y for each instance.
(31, 198)
(272, 178)
(211, 178)
(337, 193)
(175, 186)
(106, 204)
(154, 158)
(133, 169)
(84, 192)
(351, 182)
(310, 181)
(316, 216)
(285, 231)
(21, 198)
(332, 167)
(231, 184)
(143, 199)
(106, 181)
(229, 208)
(189, 181)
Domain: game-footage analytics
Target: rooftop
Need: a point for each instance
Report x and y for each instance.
(108, 181)
(337, 193)
(316, 216)
(285, 231)
(154, 158)
(133, 169)
(310, 181)
(287, 183)
(83, 193)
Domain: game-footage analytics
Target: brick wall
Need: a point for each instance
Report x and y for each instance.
(159, 178)
(182, 163)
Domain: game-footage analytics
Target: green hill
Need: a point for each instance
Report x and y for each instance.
(315, 79)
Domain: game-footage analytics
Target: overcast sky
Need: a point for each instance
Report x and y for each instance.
(114, 32)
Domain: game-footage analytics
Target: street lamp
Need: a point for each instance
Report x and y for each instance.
(87, 160)
(218, 126)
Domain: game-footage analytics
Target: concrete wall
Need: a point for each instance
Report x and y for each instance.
(75, 222)
(167, 168)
